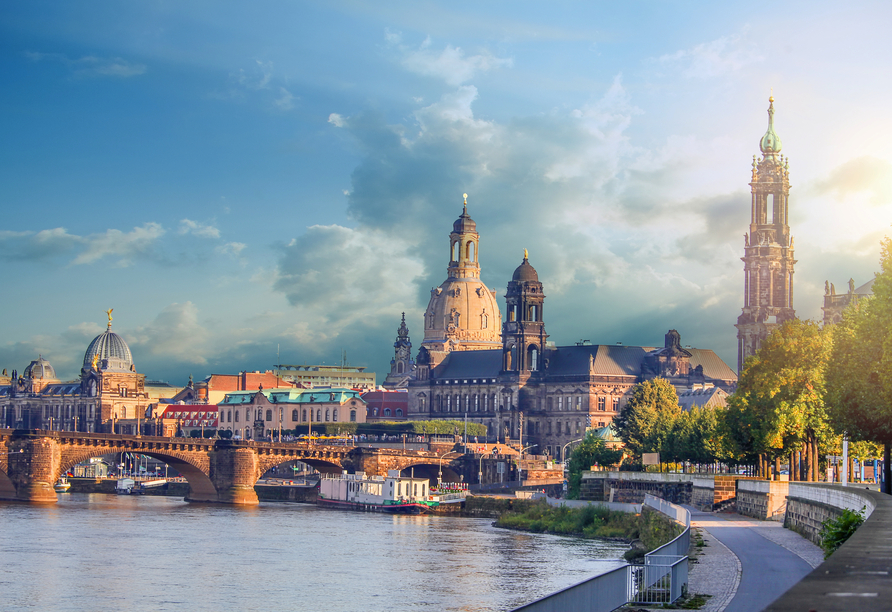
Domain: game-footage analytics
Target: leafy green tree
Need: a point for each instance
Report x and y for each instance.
(859, 385)
(779, 402)
(591, 451)
(646, 421)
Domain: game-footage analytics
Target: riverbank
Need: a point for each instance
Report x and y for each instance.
(648, 529)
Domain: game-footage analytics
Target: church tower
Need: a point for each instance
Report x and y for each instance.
(768, 249)
(463, 314)
(523, 334)
(402, 365)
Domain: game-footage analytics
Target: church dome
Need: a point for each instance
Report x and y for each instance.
(525, 272)
(40, 369)
(464, 313)
(113, 353)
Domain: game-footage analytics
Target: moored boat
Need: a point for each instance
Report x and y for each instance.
(393, 494)
(62, 485)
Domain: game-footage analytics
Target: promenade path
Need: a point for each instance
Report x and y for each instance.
(745, 564)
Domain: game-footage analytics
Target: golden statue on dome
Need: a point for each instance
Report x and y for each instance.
(108, 313)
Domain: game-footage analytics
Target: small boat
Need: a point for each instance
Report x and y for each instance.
(394, 494)
(125, 486)
(62, 485)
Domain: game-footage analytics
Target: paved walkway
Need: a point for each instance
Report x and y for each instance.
(746, 564)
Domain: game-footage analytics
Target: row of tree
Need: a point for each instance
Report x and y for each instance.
(804, 389)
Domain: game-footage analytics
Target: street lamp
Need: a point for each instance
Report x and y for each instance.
(440, 477)
(564, 448)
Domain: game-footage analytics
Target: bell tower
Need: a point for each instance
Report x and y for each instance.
(402, 365)
(523, 334)
(768, 249)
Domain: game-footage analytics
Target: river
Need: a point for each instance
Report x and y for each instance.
(104, 552)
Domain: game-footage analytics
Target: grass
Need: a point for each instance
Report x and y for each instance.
(652, 528)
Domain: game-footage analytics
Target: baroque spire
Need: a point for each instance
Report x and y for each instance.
(770, 144)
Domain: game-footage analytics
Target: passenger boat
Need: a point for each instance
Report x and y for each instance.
(62, 485)
(393, 494)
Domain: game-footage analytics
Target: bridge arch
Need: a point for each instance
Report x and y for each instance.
(195, 469)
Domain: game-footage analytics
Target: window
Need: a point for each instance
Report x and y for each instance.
(319, 415)
(602, 403)
(549, 404)
(236, 416)
(269, 415)
(294, 415)
(334, 414)
(616, 404)
(568, 427)
(399, 412)
(387, 412)
(229, 416)
(560, 402)
(327, 414)
(476, 402)
(304, 415)
(448, 403)
(352, 416)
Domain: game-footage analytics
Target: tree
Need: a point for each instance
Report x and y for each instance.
(859, 385)
(778, 407)
(591, 451)
(645, 422)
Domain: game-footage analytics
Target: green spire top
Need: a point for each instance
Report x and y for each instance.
(770, 143)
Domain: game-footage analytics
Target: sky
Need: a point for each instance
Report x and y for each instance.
(253, 183)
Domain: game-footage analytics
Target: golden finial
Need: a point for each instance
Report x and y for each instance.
(771, 95)
(525, 254)
(108, 313)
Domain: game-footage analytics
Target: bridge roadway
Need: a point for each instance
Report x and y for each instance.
(218, 471)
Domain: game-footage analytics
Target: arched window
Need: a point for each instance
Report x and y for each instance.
(534, 358)
(399, 412)
(455, 248)
(484, 320)
(471, 251)
(387, 412)
(399, 367)
(304, 415)
(327, 414)
(352, 416)
(269, 415)
(448, 403)
(334, 414)
(229, 416)
(476, 402)
(319, 415)
(236, 416)
(294, 415)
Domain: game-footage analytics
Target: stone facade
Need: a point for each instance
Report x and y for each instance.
(835, 303)
(768, 249)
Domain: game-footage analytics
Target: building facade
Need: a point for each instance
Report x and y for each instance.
(108, 390)
(835, 303)
(525, 390)
(768, 249)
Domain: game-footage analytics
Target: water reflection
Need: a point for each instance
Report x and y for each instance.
(101, 552)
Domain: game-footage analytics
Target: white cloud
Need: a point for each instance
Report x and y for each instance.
(285, 101)
(232, 248)
(124, 246)
(175, 333)
(450, 64)
(187, 226)
(91, 65)
(715, 58)
(336, 120)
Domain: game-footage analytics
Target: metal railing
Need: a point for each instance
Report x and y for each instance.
(661, 580)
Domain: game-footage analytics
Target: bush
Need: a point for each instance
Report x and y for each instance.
(837, 530)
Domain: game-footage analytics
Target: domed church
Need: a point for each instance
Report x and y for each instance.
(509, 377)
(108, 389)
(463, 314)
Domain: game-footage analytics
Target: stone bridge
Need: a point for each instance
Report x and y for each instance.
(218, 471)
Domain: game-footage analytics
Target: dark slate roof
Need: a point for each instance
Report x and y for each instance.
(470, 364)
(609, 360)
(713, 366)
(701, 397)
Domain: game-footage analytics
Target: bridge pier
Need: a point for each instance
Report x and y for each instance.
(234, 471)
(33, 466)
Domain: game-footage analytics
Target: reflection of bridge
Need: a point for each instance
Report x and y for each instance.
(222, 471)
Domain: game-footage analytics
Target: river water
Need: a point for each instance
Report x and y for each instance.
(105, 552)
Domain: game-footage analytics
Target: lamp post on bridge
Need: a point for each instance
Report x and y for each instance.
(564, 448)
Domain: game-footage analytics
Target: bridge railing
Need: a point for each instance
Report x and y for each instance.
(661, 580)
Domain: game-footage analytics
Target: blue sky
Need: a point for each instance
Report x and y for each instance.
(240, 178)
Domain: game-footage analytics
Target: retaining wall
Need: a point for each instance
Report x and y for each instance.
(809, 505)
(762, 499)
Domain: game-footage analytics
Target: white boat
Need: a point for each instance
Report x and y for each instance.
(124, 486)
(62, 485)
(394, 494)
